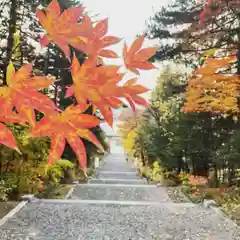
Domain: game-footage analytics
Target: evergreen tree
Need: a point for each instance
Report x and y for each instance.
(185, 38)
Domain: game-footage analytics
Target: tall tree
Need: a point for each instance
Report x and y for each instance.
(181, 24)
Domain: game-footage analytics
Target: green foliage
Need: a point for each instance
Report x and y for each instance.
(184, 142)
(57, 171)
(23, 173)
(184, 178)
(4, 190)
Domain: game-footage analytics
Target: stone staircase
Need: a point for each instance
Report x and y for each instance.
(117, 204)
(117, 181)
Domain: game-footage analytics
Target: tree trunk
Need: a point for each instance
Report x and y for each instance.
(213, 176)
(10, 40)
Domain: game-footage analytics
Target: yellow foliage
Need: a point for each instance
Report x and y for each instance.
(129, 142)
(16, 45)
(209, 91)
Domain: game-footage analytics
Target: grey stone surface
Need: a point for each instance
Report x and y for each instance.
(119, 165)
(117, 168)
(118, 181)
(49, 221)
(117, 175)
(119, 193)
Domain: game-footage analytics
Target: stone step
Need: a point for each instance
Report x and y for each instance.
(117, 175)
(117, 168)
(118, 163)
(111, 172)
(120, 192)
(117, 181)
(78, 220)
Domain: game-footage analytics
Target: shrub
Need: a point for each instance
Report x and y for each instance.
(184, 178)
(172, 177)
(22, 173)
(59, 170)
(4, 190)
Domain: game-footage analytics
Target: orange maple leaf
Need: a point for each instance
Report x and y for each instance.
(62, 28)
(8, 116)
(131, 92)
(7, 138)
(97, 85)
(73, 125)
(21, 92)
(96, 41)
(137, 58)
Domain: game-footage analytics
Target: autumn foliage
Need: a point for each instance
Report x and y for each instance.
(210, 90)
(93, 85)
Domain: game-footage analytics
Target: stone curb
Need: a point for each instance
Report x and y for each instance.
(116, 185)
(112, 202)
(211, 204)
(13, 212)
(70, 192)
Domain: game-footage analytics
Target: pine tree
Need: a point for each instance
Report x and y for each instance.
(191, 31)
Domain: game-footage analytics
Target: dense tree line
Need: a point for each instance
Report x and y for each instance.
(201, 140)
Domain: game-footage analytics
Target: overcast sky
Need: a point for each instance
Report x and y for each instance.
(127, 18)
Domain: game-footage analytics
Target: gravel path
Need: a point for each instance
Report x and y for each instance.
(117, 206)
(120, 193)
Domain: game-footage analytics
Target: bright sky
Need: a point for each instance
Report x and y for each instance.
(127, 18)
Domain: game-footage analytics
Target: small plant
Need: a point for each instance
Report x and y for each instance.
(57, 171)
(4, 190)
(184, 178)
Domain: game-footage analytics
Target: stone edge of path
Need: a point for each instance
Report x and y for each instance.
(118, 179)
(115, 185)
(109, 202)
(70, 192)
(113, 172)
(12, 212)
(219, 212)
(215, 208)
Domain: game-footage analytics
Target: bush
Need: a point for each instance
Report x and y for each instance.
(22, 173)
(172, 177)
(184, 178)
(155, 173)
(62, 169)
(4, 190)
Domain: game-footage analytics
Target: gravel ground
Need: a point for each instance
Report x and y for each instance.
(118, 181)
(51, 221)
(117, 176)
(119, 168)
(119, 193)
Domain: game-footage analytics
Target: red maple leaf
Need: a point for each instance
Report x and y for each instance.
(21, 92)
(62, 28)
(70, 125)
(131, 92)
(7, 138)
(97, 85)
(137, 58)
(96, 41)
(8, 116)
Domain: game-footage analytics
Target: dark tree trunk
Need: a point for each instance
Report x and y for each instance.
(10, 40)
